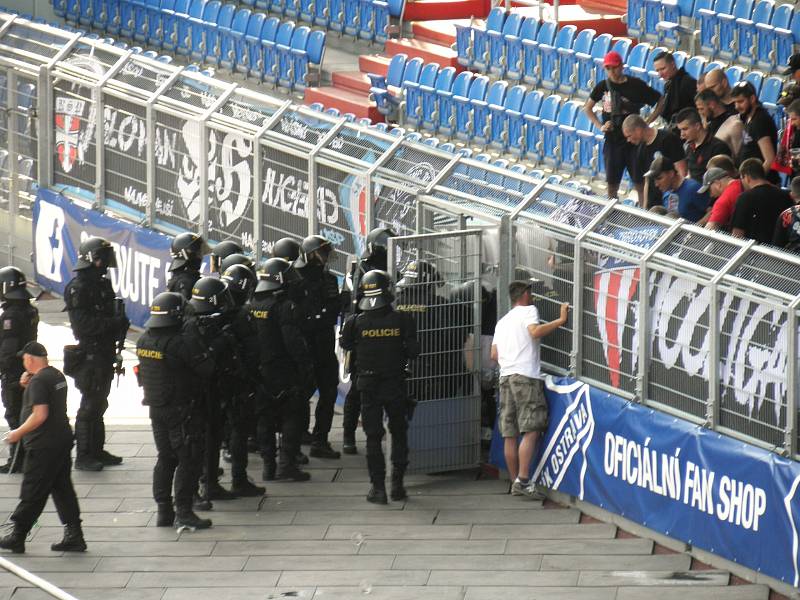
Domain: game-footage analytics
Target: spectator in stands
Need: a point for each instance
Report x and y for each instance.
(680, 88)
(760, 134)
(787, 229)
(678, 193)
(759, 206)
(717, 82)
(722, 183)
(701, 82)
(721, 122)
(621, 96)
(648, 141)
(700, 144)
(793, 69)
(788, 159)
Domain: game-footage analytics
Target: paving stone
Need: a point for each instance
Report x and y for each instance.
(206, 579)
(494, 578)
(406, 592)
(324, 502)
(57, 562)
(508, 517)
(433, 547)
(120, 490)
(544, 532)
(125, 450)
(353, 578)
(168, 563)
(110, 534)
(114, 476)
(280, 548)
(130, 437)
(101, 519)
(251, 533)
(544, 593)
(11, 489)
(91, 505)
(479, 562)
(250, 517)
(325, 563)
(595, 562)
(67, 579)
(653, 578)
(471, 502)
(93, 594)
(182, 548)
(678, 592)
(399, 532)
(340, 517)
(243, 593)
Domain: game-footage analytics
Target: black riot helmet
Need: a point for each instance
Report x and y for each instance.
(376, 290)
(222, 251)
(210, 295)
(241, 282)
(96, 249)
(286, 248)
(166, 311)
(13, 285)
(377, 244)
(315, 249)
(276, 275)
(420, 275)
(187, 249)
(237, 258)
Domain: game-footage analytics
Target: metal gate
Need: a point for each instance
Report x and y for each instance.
(438, 283)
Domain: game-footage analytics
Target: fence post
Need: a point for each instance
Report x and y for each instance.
(99, 154)
(150, 166)
(790, 433)
(507, 263)
(12, 159)
(313, 200)
(203, 175)
(44, 109)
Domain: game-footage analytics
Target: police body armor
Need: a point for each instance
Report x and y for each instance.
(91, 304)
(182, 282)
(318, 298)
(19, 325)
(159, 374)
(386, 341)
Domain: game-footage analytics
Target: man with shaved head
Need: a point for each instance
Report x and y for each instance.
(717, 82)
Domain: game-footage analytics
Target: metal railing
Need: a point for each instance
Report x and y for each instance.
(692, 322)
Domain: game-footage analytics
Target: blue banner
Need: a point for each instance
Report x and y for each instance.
(689, 483)
(143, 257)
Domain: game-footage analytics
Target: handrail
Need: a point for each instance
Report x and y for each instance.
(37, 581)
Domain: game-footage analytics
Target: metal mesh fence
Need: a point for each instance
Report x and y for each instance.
(75, 126)
(285, 197)
(177, 174)
(125, 148)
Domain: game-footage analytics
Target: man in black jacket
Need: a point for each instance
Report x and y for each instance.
(187, 251)
(679, 87)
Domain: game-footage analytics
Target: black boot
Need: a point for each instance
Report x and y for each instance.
(349, 444)
(245, 488)
(377, 493)
(73, 539)
(166, 515)
(201, 503)
(85, 459)
(104, 456)
(291, 473)
(398, 491)
(268, 474)
(14, 541)
(215, 491)
(301, 459)
(322, 449)
(186, 518)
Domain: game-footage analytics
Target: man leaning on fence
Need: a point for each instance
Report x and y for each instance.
(523, 408)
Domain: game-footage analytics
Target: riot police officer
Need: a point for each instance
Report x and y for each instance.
(19, 322)
(221, 251)
(318, 295)
(286, 248)
(99, 325)
(286, 368)
(172, 370)
(237, 258)
(240, 412)
(374, 257)
(384, 341)
(187, 251)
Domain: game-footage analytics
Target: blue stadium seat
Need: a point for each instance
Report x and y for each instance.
(334, 112)
(60, 8)
(549, 59)
(499, 137)
(786, 42)
(127, 15)
(497, 43)
(623, 48)
(322, 11)
(291, 8)
(710, 26)
(366, 20)
(465, 105)
(380, 126)
(696, 66)
(430, 97)
(431, 141)
(729, 29)
(351, 17)
(307, 10)
(185, 26)
(551, 132)
(313, 56)
(634, 18)
(463, 45)
(648, 73)
(216, 40)
(275, 6)
(387, 99)
(250, 42)
(271, 53)
(394, 74)
(234, 50)
(481, 112)
(566, 152)
(155, 23)
(767, 39)
(534, 131)
(172, 19)
(677, 17)
(480, 38)
(588, 144)
(199, 28)
(413, 136)
(140, 18)
(756, 78)
(653, 15)
(734, 74)
(256, 45)
(514, 54)
(106, 15)
(448, 147)
(747, 33)
(531, 69)
(299, 42)
(655, 80)
(318, 106)
(770, 93)
(385, 11)
(86, 12)
(413, 95)
(568, 61)
(637, 58)
(587, 70)
(447, 105)
(714, 65)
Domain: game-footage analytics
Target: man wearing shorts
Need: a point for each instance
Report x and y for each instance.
(523, 408)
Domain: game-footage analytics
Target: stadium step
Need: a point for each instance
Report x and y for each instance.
(429, 10)
(427, 51)
(602, 18)
(344, 100)
(440, 32)
(374, 63)
(355, 81)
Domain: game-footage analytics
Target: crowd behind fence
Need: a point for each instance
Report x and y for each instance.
(690, 321)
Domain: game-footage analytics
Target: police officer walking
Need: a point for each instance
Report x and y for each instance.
(187, 251)
(99, 324)
(374, 257)
(286, 368)
(320, 307)
(47, 437)
(172, 370)
(19, 322)
(384, 340)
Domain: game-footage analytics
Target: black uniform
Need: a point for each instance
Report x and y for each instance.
(384, 341)
(182, 282)
(173, 369)
(98, 326)
(47, 459)
(319, 304)
(286, 367)
(19, 323)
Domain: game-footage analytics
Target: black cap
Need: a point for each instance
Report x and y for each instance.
(794, 64)
(34, 349)
(660, 165)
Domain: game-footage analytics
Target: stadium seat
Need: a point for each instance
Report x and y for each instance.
(334, 112)
(786, 41)
(313, 56)
(696, 66)
(568, 61)
(549, 58)
(566, 152)
(770, 93)
(499, 137)
(590, 67)
(710, 27)
(589, 141)
(729, 28)
(252, 35)
(514, 55)
(199, 29)
(463, 45)
(677, 17)
(385, 11)
(480, 38)
(233, 50)
(464, 107)
(447, 104)
(654, 79)
(430, 97)
(531, 69)
(448, 147)
(388, 99)
(482, 109)
(272, 54)
(352, 17)
(127, 15)
(431, 141)
(734, 74)
(534, 130)
(497, 43)
(366, 19)
(746, 51)
(551, 133)
(413, 136)
(767, 38)
(381, 126)
(291, 8)
(756, 78)
(155, 24)
(413, 96)
(714, 65)
(637, 58)
(256, 44)
(298, 42)
(336, 15)
(322, 11)
(634, 18)
(140, 18)
(216, 40)
(171, 17)
(307, 10)
(186, 25)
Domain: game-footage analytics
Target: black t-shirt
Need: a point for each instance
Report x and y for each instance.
(622, 99)
(761, 125)
(48, 387)
(679, 93)
(758, 209)
(697, 157)
(714, 123)
(665, 142)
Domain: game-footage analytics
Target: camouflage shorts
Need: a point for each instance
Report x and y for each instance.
(523, 407)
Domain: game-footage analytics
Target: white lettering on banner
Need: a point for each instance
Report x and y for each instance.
(290, 194)
(737, 502)
(126, 132)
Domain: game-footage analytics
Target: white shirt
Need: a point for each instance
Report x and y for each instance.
(517, 351)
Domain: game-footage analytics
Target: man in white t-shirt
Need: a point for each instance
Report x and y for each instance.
(523, 408)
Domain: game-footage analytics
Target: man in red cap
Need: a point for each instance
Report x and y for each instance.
(621, 95)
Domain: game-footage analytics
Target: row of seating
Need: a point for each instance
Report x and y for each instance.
(235, 39)
(760, 33)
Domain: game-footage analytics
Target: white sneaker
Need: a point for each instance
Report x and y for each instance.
(518, 488)
(530, 491)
